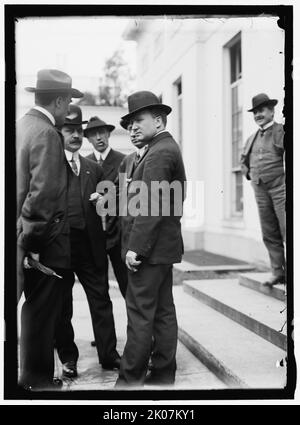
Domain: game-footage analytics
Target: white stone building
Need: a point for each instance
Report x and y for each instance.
(208, 70)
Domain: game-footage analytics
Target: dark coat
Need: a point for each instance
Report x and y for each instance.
(42, 190)
(110, 170)
(156, 238)
(278, 138)
(111, 164)
(90, 175)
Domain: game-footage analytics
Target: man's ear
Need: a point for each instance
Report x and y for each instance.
(158, 121)
(57, 101)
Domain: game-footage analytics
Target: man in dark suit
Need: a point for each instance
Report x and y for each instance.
(88, 256)
(98, 134)
(151, 243)
(42, 227)
(262, 163)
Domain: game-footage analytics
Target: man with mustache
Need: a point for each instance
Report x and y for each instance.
(262, 163)
(151, 243)
(88, 255)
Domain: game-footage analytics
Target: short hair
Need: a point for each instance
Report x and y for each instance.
(157, 112)
(44, 99)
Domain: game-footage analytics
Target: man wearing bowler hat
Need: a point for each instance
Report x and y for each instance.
(88, 256)
(151, 243)
(98, 133)
(42, 227)
(262, 163)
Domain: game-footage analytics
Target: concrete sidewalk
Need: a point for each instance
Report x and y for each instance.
(191, 374)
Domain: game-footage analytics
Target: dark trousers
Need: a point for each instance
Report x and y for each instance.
(119, 267)
(270, 198)
(151, 317)
(95, 283)
(39, 315)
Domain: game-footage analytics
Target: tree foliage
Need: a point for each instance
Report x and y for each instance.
(88, 99)
(117, 81)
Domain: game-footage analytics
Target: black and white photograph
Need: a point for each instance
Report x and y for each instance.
(149, 221)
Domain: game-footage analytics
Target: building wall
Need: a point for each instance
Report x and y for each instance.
(262, 71)
(195, 50)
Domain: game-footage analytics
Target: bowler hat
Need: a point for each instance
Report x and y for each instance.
(262, 99)
(74, 116)
(142, 100)
(54, 81)
(96, 122)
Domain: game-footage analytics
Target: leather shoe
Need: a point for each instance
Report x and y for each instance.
(275, 280)
(57, 383)
(69, 369)
(112, 364)
(93, 343)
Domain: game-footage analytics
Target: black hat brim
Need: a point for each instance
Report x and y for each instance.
(75, 123)
(124, 124)
(271, 102)
(165, 108)
(109, 127)
(74, 92)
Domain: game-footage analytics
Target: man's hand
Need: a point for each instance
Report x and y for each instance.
(94, 197)
(34, 256)
(131, 261)
(245, 171)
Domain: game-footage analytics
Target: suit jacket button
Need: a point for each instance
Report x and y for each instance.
(57, 220)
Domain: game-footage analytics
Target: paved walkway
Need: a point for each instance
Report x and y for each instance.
(191, 374)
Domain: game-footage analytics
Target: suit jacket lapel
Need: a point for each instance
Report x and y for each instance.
(130, 166)
(141, 160)
(84, 175)
(250, 143)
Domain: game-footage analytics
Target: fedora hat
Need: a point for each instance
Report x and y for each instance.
(142, 100)
(262, 99)
(54, 81)
(74, 116)
(96, 122)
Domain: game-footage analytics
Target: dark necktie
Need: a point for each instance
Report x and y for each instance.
(74, 166)
(100, 160)
(137, 158)
(262, 132)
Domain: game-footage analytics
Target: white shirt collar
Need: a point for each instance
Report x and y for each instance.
(269, 124)
(45, 112)
(142, 150)
(103, 155)
(70, 155)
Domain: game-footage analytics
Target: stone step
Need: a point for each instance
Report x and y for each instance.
(237, 356)
(256, 312)
(186, 270)
(255, 280)
(191, 374)
(186, 266)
